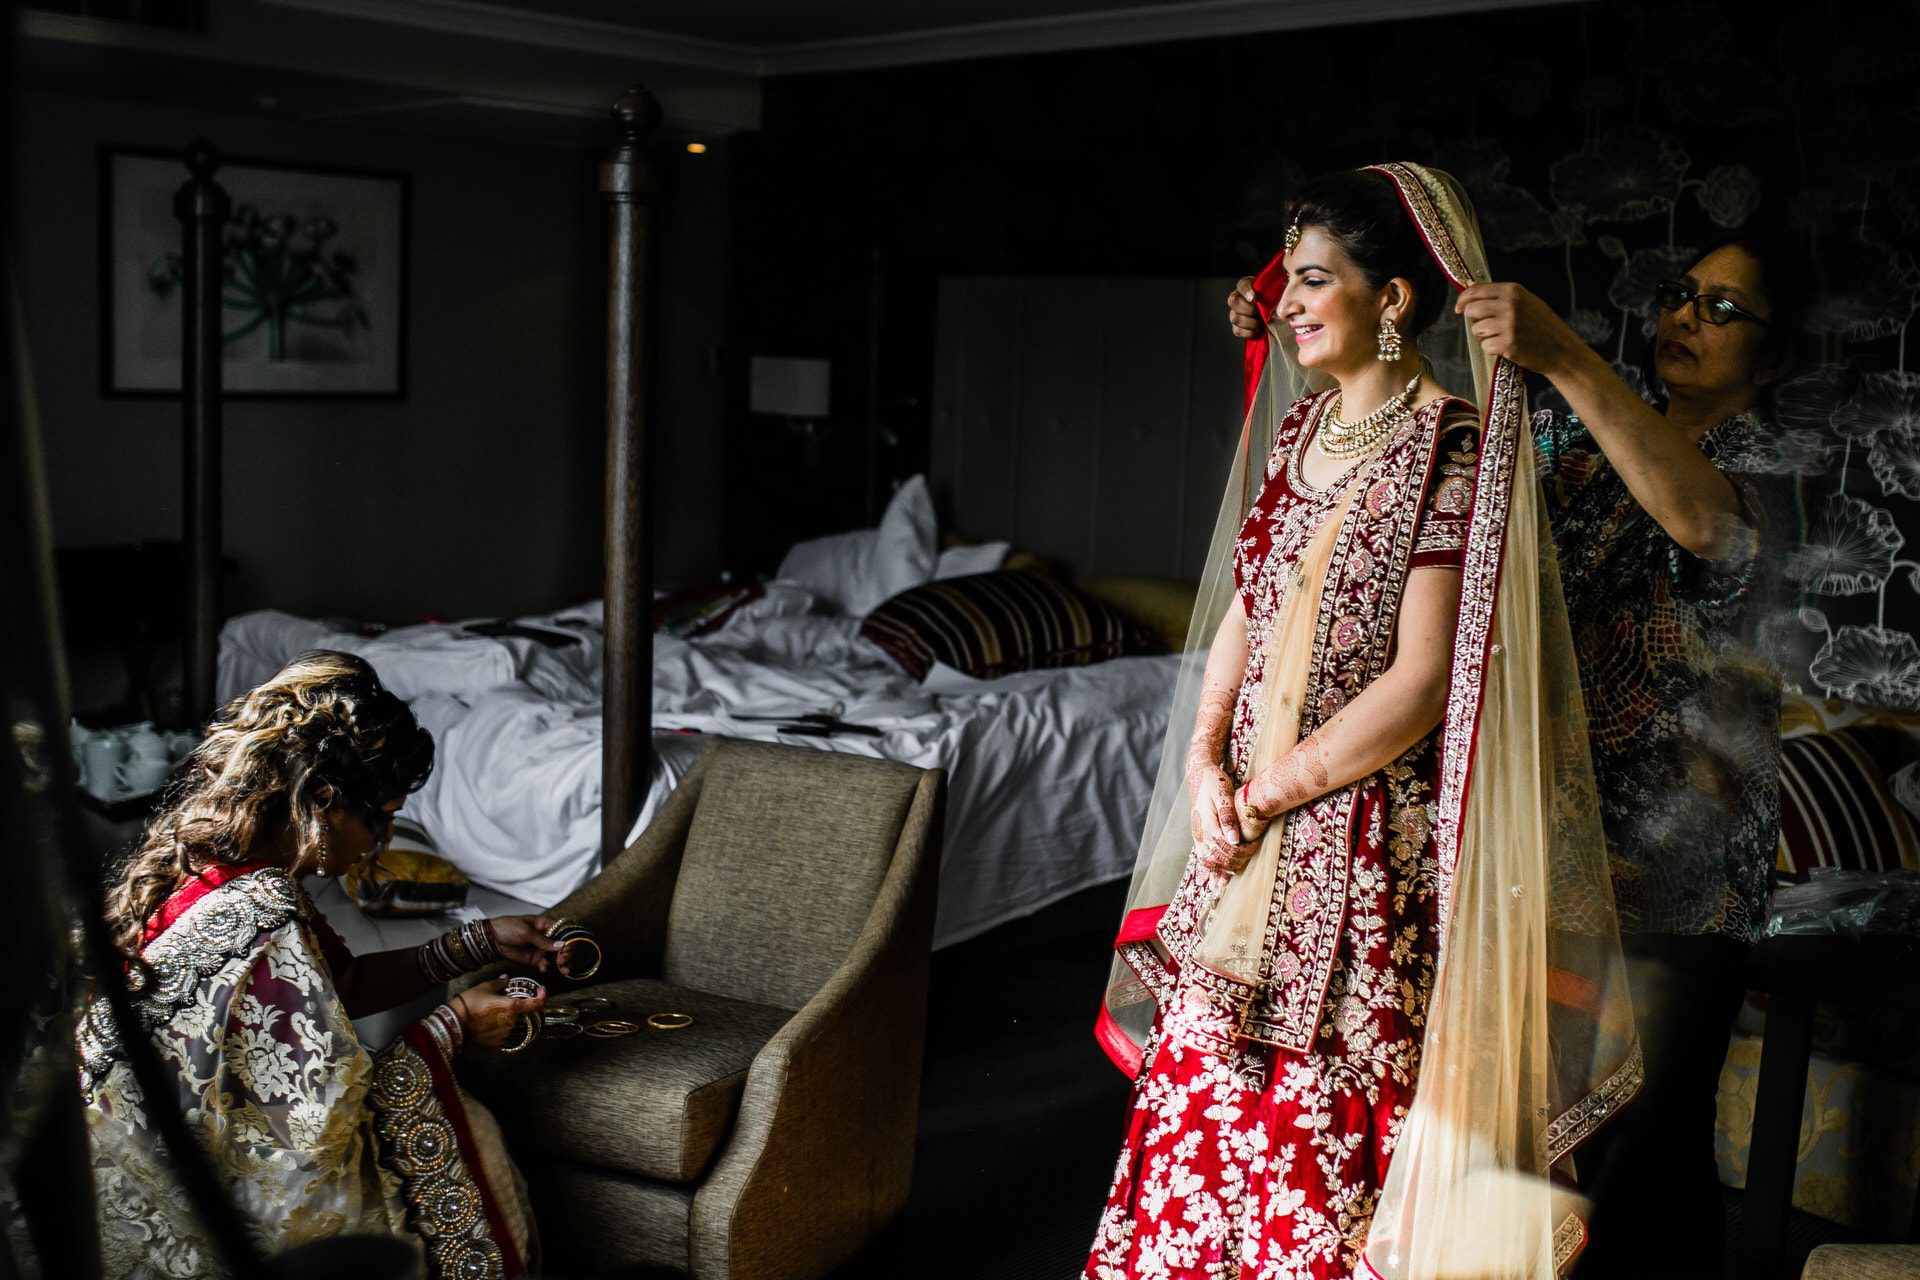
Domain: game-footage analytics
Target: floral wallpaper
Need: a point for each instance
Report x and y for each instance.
(1694, 122)
(1605, 145)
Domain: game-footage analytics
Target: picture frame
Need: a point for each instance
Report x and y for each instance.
(315, 291)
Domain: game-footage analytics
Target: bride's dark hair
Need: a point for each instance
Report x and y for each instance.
(1361, 211)
(325, 721)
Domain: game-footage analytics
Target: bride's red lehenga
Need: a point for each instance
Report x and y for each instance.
(1249, 1158)
(1372, 1049)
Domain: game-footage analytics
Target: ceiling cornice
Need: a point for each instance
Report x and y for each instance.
(1051, 34)
(551, 31)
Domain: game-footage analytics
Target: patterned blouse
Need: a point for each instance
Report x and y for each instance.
(1683, 713)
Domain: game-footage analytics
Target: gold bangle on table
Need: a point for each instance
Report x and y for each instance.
(669, 1021)
(608, 1028)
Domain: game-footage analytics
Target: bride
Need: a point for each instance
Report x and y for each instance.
(1369, 978)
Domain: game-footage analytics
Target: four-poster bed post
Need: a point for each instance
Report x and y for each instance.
(202, 206)
(629, 183)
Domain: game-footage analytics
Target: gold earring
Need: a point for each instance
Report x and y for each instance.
(1389, 340)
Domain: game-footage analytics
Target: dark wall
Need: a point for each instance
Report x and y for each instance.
(480, 491)
(1603, 145)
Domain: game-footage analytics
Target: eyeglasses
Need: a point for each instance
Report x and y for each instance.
(1671, 295)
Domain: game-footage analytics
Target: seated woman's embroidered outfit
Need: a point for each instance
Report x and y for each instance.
(312, 1135)
(1371, 1050)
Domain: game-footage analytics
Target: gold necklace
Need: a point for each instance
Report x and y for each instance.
(1344, 440)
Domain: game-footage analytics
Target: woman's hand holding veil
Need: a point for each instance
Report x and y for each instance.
(1243, 317)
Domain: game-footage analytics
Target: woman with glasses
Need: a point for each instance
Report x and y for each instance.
(246, 992)
(1665, 524)
(1670, 535)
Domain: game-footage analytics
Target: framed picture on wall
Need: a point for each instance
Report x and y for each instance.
(314, 264)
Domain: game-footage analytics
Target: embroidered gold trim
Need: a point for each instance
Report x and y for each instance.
(1567, 1239)
(208, 935)
(1428, 202)
(418, 1143)
(1571, 1127)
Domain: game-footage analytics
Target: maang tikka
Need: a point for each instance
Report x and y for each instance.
(1293, 234)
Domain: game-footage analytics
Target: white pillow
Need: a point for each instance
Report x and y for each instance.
(856, 571)
(958, 562)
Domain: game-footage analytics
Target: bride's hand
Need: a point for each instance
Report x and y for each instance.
(1243, 317)
(1216, 829)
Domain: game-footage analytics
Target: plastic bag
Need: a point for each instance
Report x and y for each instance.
(1847, 902)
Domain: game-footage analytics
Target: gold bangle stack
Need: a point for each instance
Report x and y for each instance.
(527, 1030)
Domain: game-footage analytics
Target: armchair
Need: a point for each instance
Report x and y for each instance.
(783, 897)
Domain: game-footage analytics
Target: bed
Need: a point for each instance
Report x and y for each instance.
(1050, 770)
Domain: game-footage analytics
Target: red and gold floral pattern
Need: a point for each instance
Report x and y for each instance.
(1251, 1161)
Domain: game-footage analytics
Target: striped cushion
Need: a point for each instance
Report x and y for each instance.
(1835, 806)
(991, 624)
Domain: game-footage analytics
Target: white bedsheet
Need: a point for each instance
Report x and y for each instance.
(1050, 771)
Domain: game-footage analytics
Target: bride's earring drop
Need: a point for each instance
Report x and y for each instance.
(1389, 340)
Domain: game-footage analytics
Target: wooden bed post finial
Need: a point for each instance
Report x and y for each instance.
(202, 206)
(629, 185)
(638, 112)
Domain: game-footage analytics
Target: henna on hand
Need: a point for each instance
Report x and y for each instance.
(1294, 779)
(1211, 725)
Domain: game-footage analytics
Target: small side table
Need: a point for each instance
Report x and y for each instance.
(1797, 972)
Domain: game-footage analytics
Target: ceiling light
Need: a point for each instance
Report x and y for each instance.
(696, 148)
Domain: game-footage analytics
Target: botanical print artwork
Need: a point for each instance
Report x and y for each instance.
(312, 278)
(277, 272)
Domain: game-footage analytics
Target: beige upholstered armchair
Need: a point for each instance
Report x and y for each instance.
(783, 897)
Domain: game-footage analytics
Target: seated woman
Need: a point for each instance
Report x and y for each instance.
(247, 993)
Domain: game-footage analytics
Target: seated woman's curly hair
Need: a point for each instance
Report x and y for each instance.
(324, 723)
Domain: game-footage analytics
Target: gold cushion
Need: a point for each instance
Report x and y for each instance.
(407, 878)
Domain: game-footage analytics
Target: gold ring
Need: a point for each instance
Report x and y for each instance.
(669, 1021)
(607, 1028)
(529, 1029)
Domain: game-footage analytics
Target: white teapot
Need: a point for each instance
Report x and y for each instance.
(145, 743)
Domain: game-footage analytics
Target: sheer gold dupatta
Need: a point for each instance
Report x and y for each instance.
(1529, 1042)
(1231, 937)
